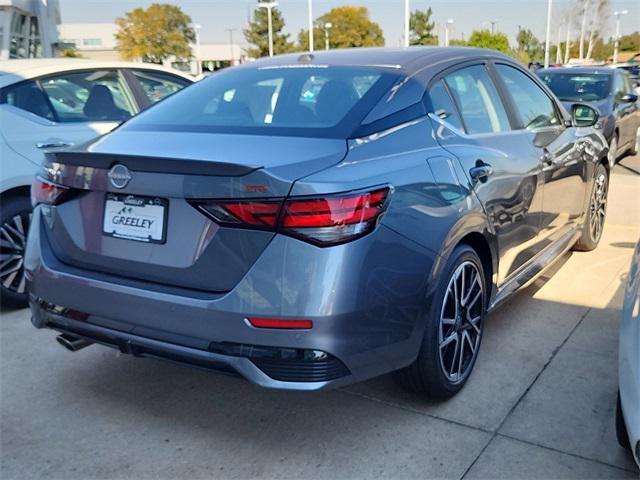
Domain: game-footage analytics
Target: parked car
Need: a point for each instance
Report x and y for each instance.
(54, 103)
(628, 409)
(307, 241)
(608, 90)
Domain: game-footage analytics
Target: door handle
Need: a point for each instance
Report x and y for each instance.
(53, 144)
(481, 171)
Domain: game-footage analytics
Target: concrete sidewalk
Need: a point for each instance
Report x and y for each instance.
(539, 405)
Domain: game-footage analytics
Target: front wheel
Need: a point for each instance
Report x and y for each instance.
(597, 212)
(453, 331)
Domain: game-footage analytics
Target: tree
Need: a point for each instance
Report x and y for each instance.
(485, 39)
(599, 18)
(529, 44)
(156, 34)
(421, 28)
(630, 43)
(350, 27)
(457, 42)
(257, 34)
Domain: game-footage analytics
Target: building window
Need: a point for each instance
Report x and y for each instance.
(92, 42)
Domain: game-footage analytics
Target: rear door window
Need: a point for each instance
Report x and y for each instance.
(29, 97)
(478, 100)
(96, 95)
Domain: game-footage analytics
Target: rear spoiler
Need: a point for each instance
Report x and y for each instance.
(150, 164)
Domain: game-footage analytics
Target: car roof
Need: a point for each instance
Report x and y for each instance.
(410, 59)
(13, 71)
(601, 70)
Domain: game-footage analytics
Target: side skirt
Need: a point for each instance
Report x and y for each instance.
(539, 265)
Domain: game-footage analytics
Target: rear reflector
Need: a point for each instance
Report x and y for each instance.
(43, 191)
(323, 221)
(280, 323)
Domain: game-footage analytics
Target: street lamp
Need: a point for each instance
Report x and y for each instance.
(231, 50)
(407, 16)
(446, 32)
(617, 44)
(310, 11)
(269, 6)
(197, 28)
(327, 26)
(547, 42)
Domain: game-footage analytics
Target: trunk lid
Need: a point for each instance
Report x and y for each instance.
(174, 169)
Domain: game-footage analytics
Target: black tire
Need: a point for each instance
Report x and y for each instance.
(621, 428)
(427, 373)
(596, 212)
(15, 216)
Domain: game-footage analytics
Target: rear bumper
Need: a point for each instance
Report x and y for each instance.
(365, 298)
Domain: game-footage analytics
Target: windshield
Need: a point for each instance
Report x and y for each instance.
(294, 100)
(578, 87)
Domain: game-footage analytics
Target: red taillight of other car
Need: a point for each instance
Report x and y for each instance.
(43, 191)
(323, 221)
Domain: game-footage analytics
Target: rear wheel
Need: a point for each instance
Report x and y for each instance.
(14, 228)
(454, 329)
(597, 212)
(621, 428)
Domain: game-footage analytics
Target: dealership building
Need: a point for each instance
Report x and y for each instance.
(97, 41)
(28, 28)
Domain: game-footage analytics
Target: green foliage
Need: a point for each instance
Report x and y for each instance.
(421, 28)
(630, 43)
(155, 34)
(257, 34)
(529, 44)
(457, 42)
(70, 53)
(485, 39)
(351, 27)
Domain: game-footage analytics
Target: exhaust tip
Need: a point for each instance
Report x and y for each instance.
(72, 342)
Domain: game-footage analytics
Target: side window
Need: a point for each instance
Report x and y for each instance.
(443, 105)
(98, 95)
(158, 85)
(534, 106)
(29, 97)
(478, 100)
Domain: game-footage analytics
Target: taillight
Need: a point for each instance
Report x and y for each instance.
(323, 221)
(333, 219)
(43, 191)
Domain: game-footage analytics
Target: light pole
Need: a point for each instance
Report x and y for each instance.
(197, 27)
(493, 26)
(547, 42)
(558, 49)
(446, 32)
(230, 30)
(327, 26)
(567, 44)
(407, 16)
(616, 45)
(269, 6)
(310, 12)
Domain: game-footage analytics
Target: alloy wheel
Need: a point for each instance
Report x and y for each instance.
(13, 239)
(598, 207)
(460, 326)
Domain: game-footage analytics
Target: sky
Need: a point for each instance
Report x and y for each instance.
(217, 16)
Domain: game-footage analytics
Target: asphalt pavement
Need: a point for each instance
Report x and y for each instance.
(539, 405)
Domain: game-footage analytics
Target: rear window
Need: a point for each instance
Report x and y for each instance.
(578, 87)
(323, 101)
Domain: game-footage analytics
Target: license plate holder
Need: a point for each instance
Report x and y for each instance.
(134, 217)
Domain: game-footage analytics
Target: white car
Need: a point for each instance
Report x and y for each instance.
(628, 410)
(47, 104)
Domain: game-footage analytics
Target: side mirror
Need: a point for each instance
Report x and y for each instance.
(583, 115)
(629, 98)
